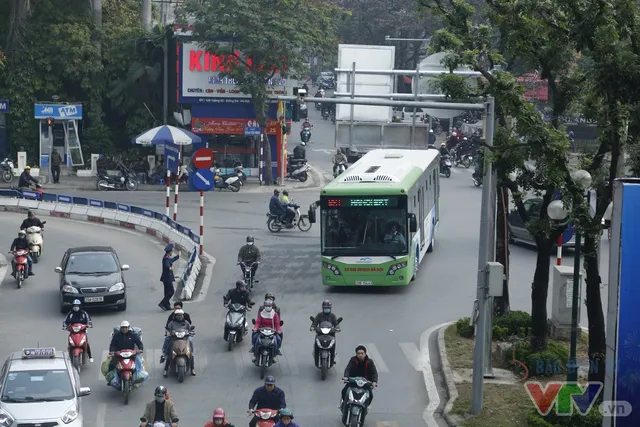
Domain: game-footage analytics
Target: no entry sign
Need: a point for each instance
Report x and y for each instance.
(203, 158)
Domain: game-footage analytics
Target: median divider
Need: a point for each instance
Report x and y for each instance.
(134, 218)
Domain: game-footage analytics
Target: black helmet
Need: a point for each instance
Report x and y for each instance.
(285, 192)
(160, 391)
(250, 239)
(326, 304)
(276, 192)
(240, 284)
(269, 295)
(30, 214)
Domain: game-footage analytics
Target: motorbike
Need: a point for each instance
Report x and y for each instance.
(304, 111)
(236, 325)
(126, 367)
(327, 84)
(21, 265)
(34, 237)
(445, 165)
(228, 181)
(318, 105)
(77, 345)
(146, 423)
(264, 350)
(126, 181)
(6, 168)
(36, 188)
(326, 114)
(181, 352)
(342, 166)
(275, 222)
(354, 410)
(324, 346)
(305, 134)
(477, 179)
(248, 275)
(266, 417)
(238, 169)
(297, 169)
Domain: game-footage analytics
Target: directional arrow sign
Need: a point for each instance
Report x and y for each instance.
(203, 179)
(202, 158)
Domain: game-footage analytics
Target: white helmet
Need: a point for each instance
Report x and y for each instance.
(430, 130)
(76, 302)
(454, 134)
(178, 311)
(303, 143)
(465, 139)
(125, 324)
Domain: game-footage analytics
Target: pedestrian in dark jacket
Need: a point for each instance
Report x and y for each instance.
(361, 365)
(56, 161)
(167, 277)
(267, 397)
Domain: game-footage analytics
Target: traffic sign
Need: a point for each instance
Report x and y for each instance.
(252, 131)
(203, 179)
(203, 158)
(567, 234)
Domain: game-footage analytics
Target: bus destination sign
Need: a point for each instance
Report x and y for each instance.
(362, 202)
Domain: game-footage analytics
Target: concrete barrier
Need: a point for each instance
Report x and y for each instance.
(134, 218)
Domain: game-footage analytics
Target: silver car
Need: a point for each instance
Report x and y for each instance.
(40, 387)
(517, 229)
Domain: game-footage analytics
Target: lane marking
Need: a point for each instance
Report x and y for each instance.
(412, 354)
(386, 424)
(102, 415)
(429, 380)
(372, 352)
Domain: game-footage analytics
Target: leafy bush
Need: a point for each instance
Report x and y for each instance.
(500, 333)
(464, 328)
(550, 362)
(516, 323)
(592, 419)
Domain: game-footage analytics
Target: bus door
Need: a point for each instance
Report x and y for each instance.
(421, 215)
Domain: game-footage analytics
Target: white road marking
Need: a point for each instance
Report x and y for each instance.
(386, 424)
(372, 352)
(429, 381)
(102, 414)
(412, 354)
(323, 150)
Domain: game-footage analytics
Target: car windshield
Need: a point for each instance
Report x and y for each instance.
(360, 231)
(37, 386)
(92, 263)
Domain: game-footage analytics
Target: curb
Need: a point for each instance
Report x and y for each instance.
(4, 267)
(447, 372)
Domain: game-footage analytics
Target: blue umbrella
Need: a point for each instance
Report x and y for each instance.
(166, 135)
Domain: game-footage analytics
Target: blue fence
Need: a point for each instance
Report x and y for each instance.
(103, 204)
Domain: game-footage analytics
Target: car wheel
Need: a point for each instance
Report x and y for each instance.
(123, 306)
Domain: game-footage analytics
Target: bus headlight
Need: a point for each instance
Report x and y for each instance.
(395, 267)
(336, 270)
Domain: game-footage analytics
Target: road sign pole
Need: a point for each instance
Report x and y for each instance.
(177, 188)
(201, 222)
(168, 183)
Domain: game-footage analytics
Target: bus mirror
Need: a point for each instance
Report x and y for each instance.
(413, 223)
(312, 216)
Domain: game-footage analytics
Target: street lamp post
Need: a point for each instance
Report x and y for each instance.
(557, 212)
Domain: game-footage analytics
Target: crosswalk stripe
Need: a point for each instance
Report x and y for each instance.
(412, 354)
(372, 352)
(386, 424)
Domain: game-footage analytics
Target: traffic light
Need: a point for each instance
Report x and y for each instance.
(49, 122)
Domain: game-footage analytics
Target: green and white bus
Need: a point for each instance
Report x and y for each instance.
(379, 218)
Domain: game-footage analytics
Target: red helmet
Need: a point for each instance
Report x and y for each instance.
(218, 413)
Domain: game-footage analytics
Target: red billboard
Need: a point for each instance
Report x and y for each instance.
(228, 126)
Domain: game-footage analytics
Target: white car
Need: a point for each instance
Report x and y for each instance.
(40, 387)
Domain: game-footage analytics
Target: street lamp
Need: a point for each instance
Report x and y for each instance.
(557, 212)
(394, 39)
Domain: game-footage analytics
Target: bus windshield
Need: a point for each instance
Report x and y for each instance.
(364, 226)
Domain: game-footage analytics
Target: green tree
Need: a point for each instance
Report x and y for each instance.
(506, 32)
(276, 35)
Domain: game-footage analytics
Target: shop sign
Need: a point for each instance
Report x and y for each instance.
(200, 77)
(229, 126)
(4, 105)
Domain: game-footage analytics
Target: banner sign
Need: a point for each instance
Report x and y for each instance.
(57, 111)
(229, 126)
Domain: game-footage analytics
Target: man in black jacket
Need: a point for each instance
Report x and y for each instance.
(21, 242)
(123, 340)
(31, 221)
(26, 181)
(361, 366)
(267, 397)
(238, 295)
(167, 340)
(325, 315)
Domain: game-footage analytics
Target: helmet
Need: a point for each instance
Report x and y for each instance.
(218, 413)
(443, 145)
(268, 303)
(179, 311)
(338, 151)
(286, 412)
(30, 214)
(454, 134)
(270, 380)
(326, 304)
(270, 295)
(76, 302)
(22, 233)
(240, 284)
(464, 139)
(250, 239)
(27, 168)
(303, 143)
(276, 192)
(125, 324)
(160, 391)
(430, 130)
(285, 192)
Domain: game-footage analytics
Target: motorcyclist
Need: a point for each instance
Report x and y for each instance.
(444, 151)
(21, 242)
(267, 318)
(326, 316)
(31, 221)
(306, 124)
(452, 141)
(478, 160)
(267, 397)
(432, 137)
(160, 409)
(26, 181)
(338, 158)
(299, 152)
(275, 206)
(249, 253)
(179, 323)
(238, 295)
(125, 339)
(219, 419)
(465, 146)
(360, 365)
(178, 305)
(290, 215)
(270, 296)
(286, 419)
(78, 315)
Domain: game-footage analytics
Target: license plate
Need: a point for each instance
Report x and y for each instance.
(359, 283)
(94, 299)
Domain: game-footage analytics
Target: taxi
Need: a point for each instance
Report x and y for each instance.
(40, 388)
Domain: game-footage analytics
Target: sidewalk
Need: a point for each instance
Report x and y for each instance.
(251, 185)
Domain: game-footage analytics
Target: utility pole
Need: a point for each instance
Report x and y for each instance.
(146, 15)
(165, 65)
